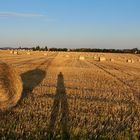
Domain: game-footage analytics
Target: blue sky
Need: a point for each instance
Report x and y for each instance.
(70, 23)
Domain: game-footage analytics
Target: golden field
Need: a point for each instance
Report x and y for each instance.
(69, 95)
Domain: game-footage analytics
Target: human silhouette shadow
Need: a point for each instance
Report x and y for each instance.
(60, 104)
(31, 79)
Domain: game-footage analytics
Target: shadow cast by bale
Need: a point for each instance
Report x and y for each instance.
(60, 104)
(31, 79)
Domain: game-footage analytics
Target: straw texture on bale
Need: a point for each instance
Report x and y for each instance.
(10, 86)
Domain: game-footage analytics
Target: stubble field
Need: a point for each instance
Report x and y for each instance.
(69, 95)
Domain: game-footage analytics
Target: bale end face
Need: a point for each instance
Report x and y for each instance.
(10, 86)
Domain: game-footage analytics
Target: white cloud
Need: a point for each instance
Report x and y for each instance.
(16, 14)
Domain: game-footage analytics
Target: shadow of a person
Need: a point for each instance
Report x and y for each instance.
(60, 103)
(31, 79)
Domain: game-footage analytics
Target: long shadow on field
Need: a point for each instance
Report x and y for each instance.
(31, 79)
(60, 104)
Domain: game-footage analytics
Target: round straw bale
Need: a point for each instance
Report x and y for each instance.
(128, 60)
(10, 86)
(15, 52)
(111, 59)
(81, 58)
(45, 54)
(11, 51)
(102, 58)
(67, 56)
(28, 53)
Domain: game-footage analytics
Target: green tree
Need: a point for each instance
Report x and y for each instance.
(38, 48)
(46, 48)
(135, 50)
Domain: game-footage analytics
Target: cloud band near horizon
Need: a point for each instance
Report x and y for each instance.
(17, 14)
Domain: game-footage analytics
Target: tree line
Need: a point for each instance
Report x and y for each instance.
(134, 50)
(38, 48)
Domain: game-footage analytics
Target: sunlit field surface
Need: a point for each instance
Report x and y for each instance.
(74, 95)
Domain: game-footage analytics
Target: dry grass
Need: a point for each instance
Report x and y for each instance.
(87, 100)
(10, 86)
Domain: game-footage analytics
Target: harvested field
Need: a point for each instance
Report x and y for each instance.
(68, 97)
